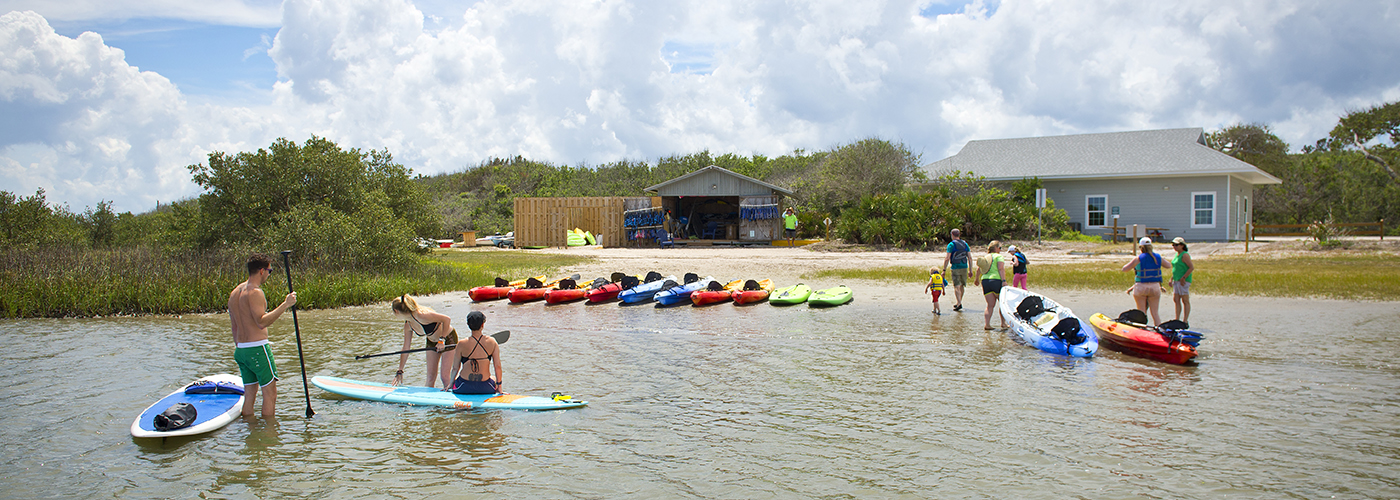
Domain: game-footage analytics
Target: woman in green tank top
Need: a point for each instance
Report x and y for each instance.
(1182, 268)
(991, 269)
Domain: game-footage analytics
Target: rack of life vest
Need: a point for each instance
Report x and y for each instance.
(764, 211)
(645, 223)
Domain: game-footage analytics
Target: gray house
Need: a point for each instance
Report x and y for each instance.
(1168, 180)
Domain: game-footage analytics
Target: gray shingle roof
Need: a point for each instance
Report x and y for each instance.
(1145, 153)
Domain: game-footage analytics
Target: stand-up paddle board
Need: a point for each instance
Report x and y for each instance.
(431, 396)
(216, 399)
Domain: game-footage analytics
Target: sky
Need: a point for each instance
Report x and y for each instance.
(112, 100)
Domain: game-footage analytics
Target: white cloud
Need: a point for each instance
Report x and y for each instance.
(252, 13)
(574, 82)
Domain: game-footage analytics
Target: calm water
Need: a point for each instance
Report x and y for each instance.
(1291, 399)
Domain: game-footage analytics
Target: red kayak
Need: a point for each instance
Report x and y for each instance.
(499, 291)
(753, 292)
(534, 290)
(604, 293)
(558, 296)
(706, 297)
(1141, 341)
(483, 293)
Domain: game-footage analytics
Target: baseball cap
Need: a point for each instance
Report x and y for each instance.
(1145, 241)
(1011, 248)
(1179, 240)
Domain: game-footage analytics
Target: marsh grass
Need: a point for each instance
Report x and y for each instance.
(63, 282)
(1348, 277)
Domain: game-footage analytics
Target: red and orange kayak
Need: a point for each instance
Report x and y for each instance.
(499, 291)
(706, 297)
(531, 294)
(1140, 340)
(753, 292)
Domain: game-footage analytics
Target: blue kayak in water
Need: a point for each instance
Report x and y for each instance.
(680, 294)
(1046, 325)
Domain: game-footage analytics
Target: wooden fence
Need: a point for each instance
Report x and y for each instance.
(1252, 230)
(543, 221)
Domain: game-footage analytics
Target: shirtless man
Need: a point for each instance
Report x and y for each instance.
(247, 311)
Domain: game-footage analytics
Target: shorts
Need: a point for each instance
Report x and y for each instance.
(463, 386)
(1147, 289)
(1019, 281)
(256, 365)
(790, 233)
(1182, 288)
(991, 286)
(960, 277)
(450, 340)
(936, 295)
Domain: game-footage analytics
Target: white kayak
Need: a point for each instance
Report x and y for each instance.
(1045, 324)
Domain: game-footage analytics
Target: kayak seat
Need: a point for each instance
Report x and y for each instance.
(714, 286)
(567, 284)
(751, 285)
(1030, 307)
(652, 276)
(501, 282)
(691, 278)
(1068, 330)
(598, 283)
(1133, 316)
(533, 283)
(629, 282)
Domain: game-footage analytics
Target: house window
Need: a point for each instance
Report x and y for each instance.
(1096, 208)
(1203, 209)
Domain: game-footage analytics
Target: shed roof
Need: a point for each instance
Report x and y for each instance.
(1146, 153)
(716, 181)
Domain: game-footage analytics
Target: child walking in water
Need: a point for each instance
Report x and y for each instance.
(935, 286)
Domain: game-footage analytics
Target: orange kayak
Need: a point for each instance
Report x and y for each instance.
(1140, 340)
(753, 292)
(706, 297)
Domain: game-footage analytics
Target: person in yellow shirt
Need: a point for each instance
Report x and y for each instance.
(935, 286)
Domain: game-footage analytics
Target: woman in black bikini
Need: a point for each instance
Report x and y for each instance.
(475, 357)
(436, 327)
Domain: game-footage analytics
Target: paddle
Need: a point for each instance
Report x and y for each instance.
(306, 390)
(501, 338)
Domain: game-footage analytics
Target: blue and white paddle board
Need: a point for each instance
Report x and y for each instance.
(212, 411)
(430, 396)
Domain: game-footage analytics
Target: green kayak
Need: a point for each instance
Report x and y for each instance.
(834, 296)
(788, 295)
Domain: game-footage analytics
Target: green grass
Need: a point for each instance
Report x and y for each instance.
(75, 282)
(1348, 277)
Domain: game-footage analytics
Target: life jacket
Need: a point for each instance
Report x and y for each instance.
(1149, 272)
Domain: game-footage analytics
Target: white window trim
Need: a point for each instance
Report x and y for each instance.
(1106, 214)
(1214, 210)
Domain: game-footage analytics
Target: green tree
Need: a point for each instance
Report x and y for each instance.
(863, 168)
(341, 207)
(1358, 128)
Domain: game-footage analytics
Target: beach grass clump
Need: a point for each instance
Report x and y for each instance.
(77, 282)
(1347, 277)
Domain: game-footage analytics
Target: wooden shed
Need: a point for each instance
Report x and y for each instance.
(543, 221)
(719, 205)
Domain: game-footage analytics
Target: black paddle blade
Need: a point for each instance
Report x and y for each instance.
(501, 336)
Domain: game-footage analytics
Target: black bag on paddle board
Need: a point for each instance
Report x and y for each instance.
(178, 416)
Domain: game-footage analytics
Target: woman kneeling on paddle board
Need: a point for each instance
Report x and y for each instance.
(437, 327)
(476, 378)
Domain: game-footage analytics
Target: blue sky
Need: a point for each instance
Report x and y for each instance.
(444, 85)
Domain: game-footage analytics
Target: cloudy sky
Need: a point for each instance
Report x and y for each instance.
(112, 99)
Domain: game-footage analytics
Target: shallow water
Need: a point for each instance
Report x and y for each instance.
(1290, 399)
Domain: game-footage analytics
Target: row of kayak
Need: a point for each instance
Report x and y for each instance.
(1046, 325)
(664, 290)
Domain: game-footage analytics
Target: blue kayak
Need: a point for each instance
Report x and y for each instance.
(1046, 325)
(644, 291)
(680, 294)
